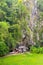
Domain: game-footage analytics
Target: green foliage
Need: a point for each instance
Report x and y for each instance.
(40, 4)
(13, 21)
(38, 50)
(3, 30)
(3, 49)
(34, 49)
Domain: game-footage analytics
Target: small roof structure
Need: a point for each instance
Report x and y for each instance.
(22, 47)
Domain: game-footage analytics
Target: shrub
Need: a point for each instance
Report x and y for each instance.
(41, 50)
(36, 50)
(33, 49)
(3, 49)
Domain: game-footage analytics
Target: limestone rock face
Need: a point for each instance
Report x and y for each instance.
(32, 6)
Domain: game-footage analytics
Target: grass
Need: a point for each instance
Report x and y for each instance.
(22, 59)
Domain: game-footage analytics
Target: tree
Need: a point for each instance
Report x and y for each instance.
(3, 49)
